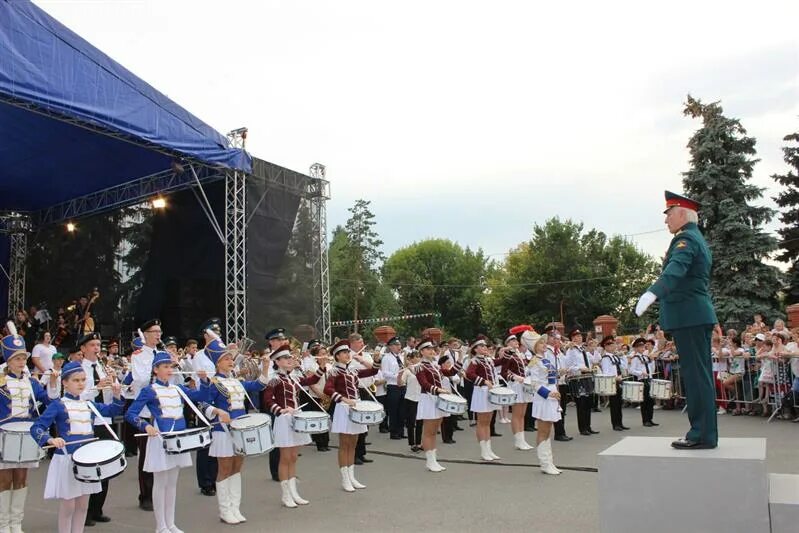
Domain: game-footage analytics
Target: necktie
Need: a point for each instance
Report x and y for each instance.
(585, 358)
(98, 397)
(399, 361)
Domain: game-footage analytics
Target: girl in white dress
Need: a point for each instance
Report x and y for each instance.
(546, 403)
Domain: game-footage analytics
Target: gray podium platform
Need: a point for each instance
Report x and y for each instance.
(646, 485)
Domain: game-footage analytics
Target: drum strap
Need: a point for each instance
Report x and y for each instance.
(193, 407)
(97, 413)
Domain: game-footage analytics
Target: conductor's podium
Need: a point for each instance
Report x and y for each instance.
(647, 486)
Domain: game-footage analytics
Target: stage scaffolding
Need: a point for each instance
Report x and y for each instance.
(187, 174)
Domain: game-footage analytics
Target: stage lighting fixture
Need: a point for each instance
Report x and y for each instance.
(70, 227)
(159, 203)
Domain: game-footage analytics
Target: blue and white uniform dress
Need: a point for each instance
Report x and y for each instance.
(166, 406)
(544, 377)
(228, 394)
(73, 420)
(17, 398)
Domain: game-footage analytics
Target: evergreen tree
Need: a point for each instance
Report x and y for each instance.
(788, 200)
(721, 167)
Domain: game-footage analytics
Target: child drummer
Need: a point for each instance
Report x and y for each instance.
(18, 397)
(165, 404)
(612, 366)
(342, 387)
(642, 368)
(225, 403)
(74, 422)
(280, 397)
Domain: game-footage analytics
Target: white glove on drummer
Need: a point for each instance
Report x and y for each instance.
(644, 302)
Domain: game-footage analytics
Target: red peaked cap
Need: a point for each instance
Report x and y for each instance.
(676, 200)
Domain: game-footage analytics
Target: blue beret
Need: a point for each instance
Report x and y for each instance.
(161, 357)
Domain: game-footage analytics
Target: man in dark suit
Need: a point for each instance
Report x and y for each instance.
(686, 310)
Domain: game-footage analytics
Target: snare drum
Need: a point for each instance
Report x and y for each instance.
(311, 422)
(367, 413)
(451, 403)
(252, 434)
(581, 385)
(528, 387)
(661, 389)
(99, 460)
(186, 440)
(605, 385)
(632, 391)
(17, 445)
(501, 396)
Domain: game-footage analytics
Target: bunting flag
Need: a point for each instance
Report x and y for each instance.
(382, 319)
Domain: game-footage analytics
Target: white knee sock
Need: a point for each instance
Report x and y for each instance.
(65, 511)
(171, 496)
(160, 482)
(79, 516)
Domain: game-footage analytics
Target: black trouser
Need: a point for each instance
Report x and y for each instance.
(206, 469)
(529, 421)
(384, 424)
(595, 401)
(447, 428)
(615, 408)
(145, 478)
(493, 422)
(129, 432)
(583, 413)
(360, 446)
(97, 500)
(468, 389)
(560, 425)
(413, 426)
(394, 397)
(648, 405)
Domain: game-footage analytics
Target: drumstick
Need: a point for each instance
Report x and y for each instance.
(72, 442)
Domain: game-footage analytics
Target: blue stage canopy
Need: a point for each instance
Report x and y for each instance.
(73, 121)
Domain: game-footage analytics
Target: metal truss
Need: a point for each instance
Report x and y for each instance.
(235, 256)
(318, 194)
(17, 226)
(175, 179)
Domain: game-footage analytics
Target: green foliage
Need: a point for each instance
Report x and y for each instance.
(721, 167)
(788, 201)
(438, 275)
(583, 273)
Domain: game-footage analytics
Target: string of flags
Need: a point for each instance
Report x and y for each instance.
(382, 319)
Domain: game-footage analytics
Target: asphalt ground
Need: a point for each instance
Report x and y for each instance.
(402, 495)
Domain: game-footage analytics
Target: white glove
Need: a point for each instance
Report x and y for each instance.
(644, 302)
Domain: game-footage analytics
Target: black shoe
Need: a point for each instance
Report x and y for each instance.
(457, 428)
(649, 425)
(367, 443)
(654, 423)
(208, 491)
(383, 430)
(494, 434)
(625, 428)
(529, 428)
(275, 478)
(592, 432)
(416, 449)
(685, 444)
(450, 441)
(618, 428)
(89, 522)
(101, 518)
(397, 437)
(145, 506)
(563, 438)
(586, 433)
(596, 410)
(130, 454)
(322, 449)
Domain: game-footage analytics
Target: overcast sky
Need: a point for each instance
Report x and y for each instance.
(469, 120)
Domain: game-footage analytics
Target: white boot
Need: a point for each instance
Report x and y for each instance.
(235, 497)
(490, 451)
(431, 463)
(295, 495)
(484, 455)
(545, 458)
(435, 460)
(5, 511)
(223, 498)
(17, 509)
(520, 443)
(287, 500)
(346, 484)
(355, 483)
